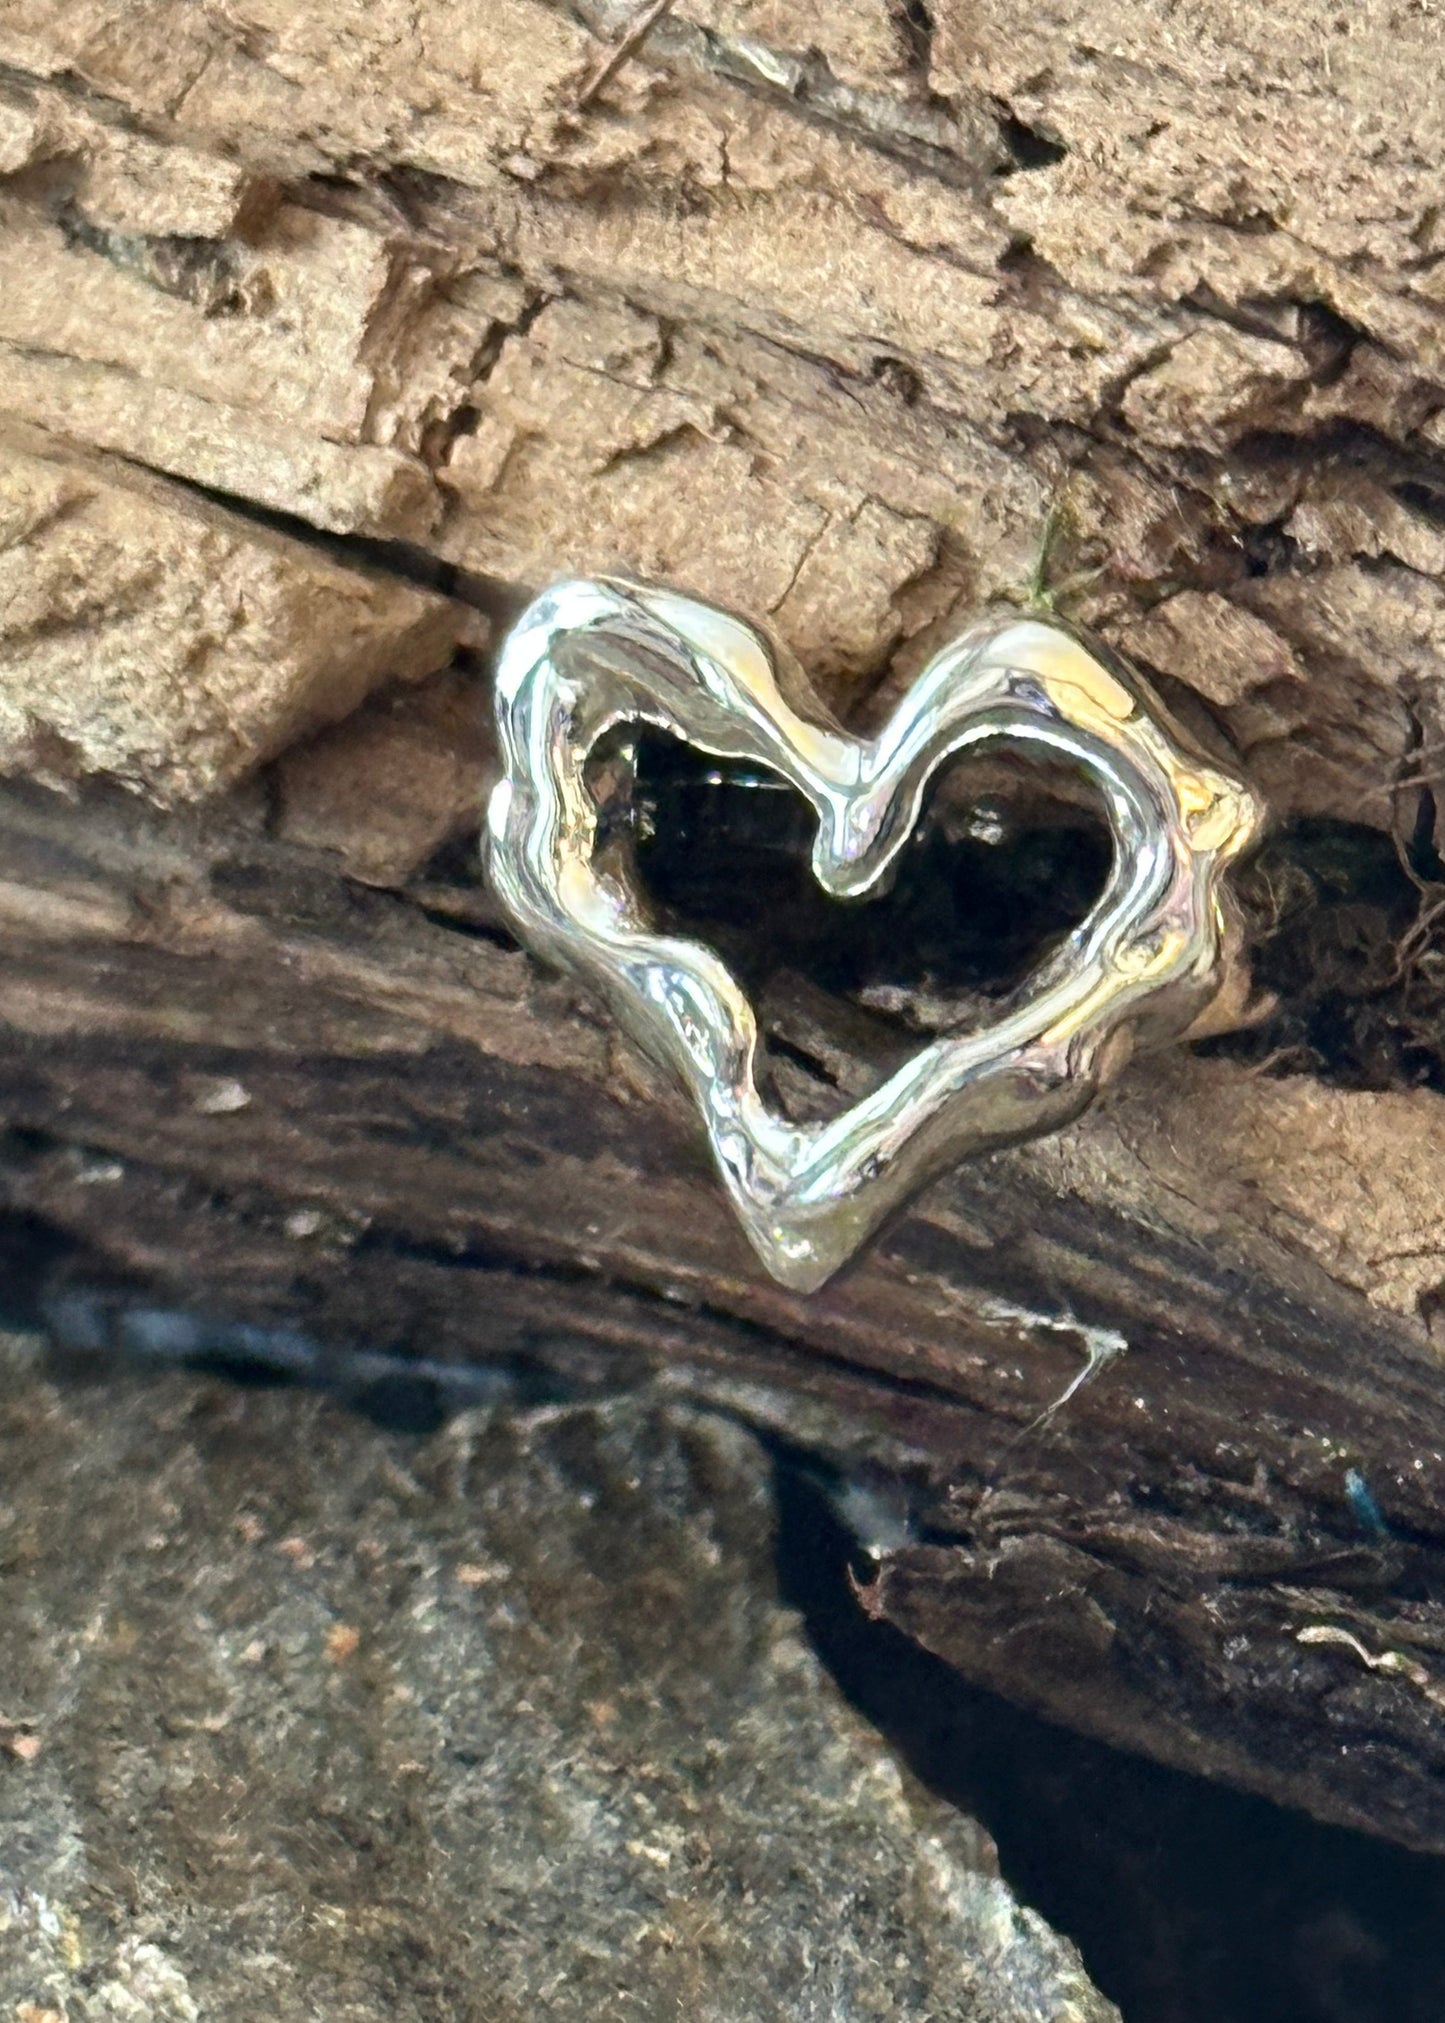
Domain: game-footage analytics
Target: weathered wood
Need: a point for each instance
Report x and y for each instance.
(326, 329)
(820, 310)
(240, 1089)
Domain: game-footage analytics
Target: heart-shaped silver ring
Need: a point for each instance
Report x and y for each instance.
(589, 657)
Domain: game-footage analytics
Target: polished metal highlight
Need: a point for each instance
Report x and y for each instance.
(589, 657)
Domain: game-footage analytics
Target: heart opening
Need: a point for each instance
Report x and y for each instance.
(1002, 866)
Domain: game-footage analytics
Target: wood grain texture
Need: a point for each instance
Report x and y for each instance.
(239, 1087)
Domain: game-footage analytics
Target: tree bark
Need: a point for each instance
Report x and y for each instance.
(329, 332)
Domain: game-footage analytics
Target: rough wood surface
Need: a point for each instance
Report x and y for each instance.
(241, 1090)
(329, 330)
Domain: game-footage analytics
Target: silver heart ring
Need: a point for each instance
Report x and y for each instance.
(588, 658)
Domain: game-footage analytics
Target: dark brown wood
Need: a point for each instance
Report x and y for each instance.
(236, 1087)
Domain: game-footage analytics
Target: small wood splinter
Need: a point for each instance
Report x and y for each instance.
(623, 51)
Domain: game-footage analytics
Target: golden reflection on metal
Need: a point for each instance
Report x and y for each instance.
(589, 657)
